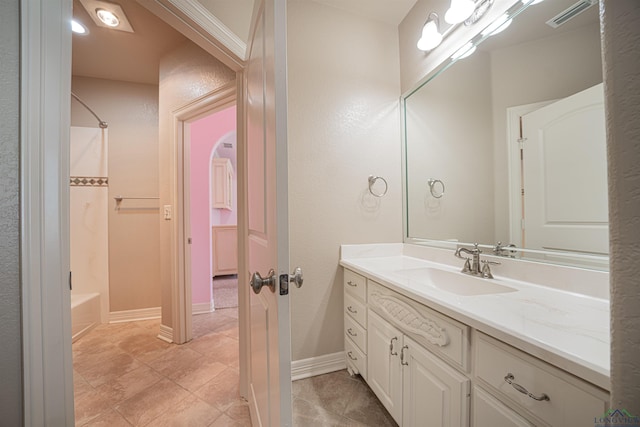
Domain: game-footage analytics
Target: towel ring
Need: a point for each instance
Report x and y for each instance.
(372, 181)
(432, 184)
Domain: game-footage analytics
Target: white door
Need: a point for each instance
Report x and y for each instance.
(268, 240)
(565, 175)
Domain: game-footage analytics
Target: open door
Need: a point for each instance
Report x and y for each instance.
(267, 239)
(565, 175)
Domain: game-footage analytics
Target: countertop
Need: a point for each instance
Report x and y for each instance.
(566, 329)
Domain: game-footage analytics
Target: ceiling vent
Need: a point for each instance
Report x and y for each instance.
(570, 13)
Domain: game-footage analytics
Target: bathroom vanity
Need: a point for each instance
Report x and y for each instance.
(441, 348)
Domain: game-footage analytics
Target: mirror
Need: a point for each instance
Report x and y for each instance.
(508, 144)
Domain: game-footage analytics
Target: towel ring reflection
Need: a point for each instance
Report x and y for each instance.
(433, 189)
(372, 181)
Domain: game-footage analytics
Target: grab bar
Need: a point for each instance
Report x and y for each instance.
(121, 198)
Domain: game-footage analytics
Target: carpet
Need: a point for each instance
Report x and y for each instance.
(225, 291)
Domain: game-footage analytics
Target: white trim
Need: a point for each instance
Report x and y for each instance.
(181, 307)
(135, 315)
(45, 64)
(202, 308)
(319, 365)
(515, 169)
(166, 334)
(197, 13)
(201, 27)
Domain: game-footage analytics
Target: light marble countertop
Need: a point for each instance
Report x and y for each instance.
(566, 329)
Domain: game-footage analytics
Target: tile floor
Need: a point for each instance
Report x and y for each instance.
(125, 376)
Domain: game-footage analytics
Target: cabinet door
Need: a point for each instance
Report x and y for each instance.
(434, 394)
(489, 412)
(383, 364)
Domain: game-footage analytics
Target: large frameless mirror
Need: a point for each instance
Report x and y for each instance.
(508, 144)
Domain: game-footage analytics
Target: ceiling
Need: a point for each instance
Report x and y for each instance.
(134, 57)
(117, 55)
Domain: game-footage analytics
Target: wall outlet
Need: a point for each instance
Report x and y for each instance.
(167, 212)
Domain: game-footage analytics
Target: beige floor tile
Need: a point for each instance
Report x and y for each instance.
(222, 391)
(306, 414)
(175, 359)
(89, 405)
(109, 418)
(226, 421)
(239, 411)
(128, 385)
(141, 343)
(152, 402)
(197, 374)
(191, 412)
(103, 370)
(364, 407)
(218, 347)
(330, 391)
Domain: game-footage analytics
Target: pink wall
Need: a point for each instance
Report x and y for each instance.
(207, 135)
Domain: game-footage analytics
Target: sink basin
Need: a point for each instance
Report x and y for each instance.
(454, 282)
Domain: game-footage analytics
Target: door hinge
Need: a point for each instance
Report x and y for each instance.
(521, 142)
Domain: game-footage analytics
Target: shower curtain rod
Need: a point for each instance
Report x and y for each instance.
(101, 123)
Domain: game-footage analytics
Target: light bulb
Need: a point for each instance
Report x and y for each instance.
(430, 36)
(78, 28)
(498, 26)
(107, 17)
(459, 11)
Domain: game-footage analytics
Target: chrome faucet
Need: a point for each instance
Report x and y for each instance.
(473, 268)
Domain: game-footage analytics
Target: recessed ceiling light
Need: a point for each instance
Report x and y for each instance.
(106, 14)
(107, 17)
(78, 28)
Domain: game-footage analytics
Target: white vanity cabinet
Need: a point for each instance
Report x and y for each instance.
(429, 369)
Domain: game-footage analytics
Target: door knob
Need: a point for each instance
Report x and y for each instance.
(257, 281)
(295, 278)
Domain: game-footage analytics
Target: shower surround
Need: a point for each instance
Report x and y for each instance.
(88, 216)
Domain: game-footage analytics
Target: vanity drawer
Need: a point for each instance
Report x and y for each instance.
(356, 333)
(355, 284)
(440, 334)
(572, 402)
(355, 358)
(355, 309)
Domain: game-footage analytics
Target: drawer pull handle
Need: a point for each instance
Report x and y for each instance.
(402, 362)
(350, 354)
(350, 283)
(352, 310)
(509, 380)
(391, 352)
(353, 334)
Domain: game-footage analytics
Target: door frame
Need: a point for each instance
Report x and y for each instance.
(515, 167)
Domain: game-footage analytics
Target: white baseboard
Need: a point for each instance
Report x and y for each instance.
(202, 307)
(133, 315)
(166, 334)
(313, 366)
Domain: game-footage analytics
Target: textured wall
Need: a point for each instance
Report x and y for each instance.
(186, 73)
(131, 110)
(10, 337)
(621, 44)
(343, 125)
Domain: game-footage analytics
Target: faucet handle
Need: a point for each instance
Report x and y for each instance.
(486, 271)
(476, 249)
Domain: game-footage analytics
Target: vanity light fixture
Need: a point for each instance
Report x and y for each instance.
(459, 11)
(532, 3)
(464, 51)
(497, 26)
(78, 28)
(431, 36)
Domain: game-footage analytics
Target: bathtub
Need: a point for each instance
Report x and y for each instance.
(85, 313)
